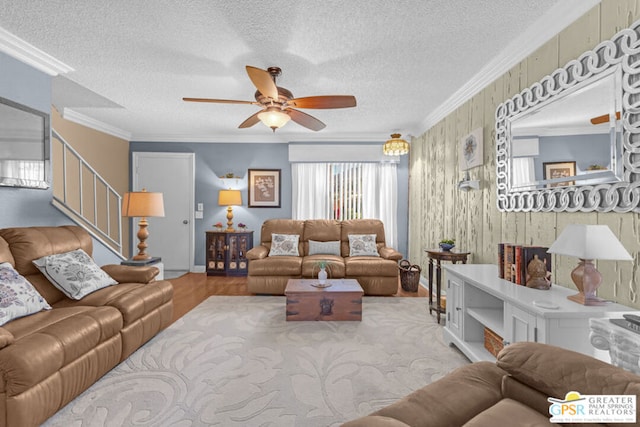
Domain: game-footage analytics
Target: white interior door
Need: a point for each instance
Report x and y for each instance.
(170, 237)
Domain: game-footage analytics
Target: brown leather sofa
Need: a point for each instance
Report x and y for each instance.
(50, 357)
(511, 392)
(269, 274)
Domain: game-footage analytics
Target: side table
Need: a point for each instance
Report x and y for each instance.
(438, 256)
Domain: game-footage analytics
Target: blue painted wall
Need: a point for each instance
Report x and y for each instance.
(585, 150)
(214, 160)
(25, 206)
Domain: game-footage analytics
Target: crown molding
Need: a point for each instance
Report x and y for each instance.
(269, 137)
(31, 55)
(81, 119)
(542, 30)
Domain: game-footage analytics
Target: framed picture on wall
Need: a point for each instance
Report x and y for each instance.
(264, 188)
(553, 170)
(471, 150)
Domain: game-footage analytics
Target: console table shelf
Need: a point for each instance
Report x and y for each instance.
(492, 318)
(478, 299)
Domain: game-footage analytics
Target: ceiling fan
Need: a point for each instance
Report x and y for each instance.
(277, 102)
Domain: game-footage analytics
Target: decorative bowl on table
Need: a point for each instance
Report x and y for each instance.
(447, 246)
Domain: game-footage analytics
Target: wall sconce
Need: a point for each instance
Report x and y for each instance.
(587, 243)
(467, 184)
(229, 198)
(395, 146)
(142, 204)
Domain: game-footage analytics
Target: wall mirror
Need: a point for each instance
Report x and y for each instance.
(570, 141)
(24, 146)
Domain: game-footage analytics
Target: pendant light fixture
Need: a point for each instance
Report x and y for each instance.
(274, 118)
(395, 146)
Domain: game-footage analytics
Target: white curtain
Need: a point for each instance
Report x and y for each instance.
(310, 198)
(30, 170)
(523, 172)
(338, 190)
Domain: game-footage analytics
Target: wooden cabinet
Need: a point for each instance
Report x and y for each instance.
(477, 299)
(227, 253)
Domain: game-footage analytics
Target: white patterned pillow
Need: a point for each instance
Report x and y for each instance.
(74, 273)
(284, 244)
(363, 245)
(324, 248)
(18, 297)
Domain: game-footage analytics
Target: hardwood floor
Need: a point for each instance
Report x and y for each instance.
(191, 289)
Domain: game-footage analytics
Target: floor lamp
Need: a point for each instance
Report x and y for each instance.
(142, 204)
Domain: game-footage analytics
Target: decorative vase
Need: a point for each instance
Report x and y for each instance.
(537, 271)
(322, 276)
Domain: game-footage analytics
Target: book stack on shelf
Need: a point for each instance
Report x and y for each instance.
(513, 261)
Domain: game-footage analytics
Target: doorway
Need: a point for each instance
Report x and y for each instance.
(172, 236)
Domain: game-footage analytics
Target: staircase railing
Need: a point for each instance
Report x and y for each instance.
(87, 198)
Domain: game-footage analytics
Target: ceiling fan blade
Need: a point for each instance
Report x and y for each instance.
(252, 120)
(304, 119)
(219, 101)
(323, 102)
(263, 81)
(603, 118)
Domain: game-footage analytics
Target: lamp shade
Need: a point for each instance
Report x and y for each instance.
(229, 198)
(274, 118)
(142, 204)
(589, 242)
(395, 146)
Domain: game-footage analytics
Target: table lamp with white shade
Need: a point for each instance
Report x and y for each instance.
(588, 243)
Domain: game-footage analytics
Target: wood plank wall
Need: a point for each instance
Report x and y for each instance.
(439, 210)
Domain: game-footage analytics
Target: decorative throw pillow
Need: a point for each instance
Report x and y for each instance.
(324, 248)
(284, 244)
(363, 245)
(74, 273)
(18, 297)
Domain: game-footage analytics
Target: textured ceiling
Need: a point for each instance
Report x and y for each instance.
(133, 61)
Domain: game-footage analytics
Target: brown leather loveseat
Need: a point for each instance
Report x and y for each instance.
(50, 357)
(377, 273)
(514, 391)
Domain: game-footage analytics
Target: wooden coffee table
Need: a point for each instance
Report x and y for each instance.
(340, 301)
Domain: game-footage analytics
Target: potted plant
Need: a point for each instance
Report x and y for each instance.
(447, 244)
(322, 272)
(242, 226)
(218, 226)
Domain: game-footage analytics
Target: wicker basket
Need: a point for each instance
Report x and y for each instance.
(492, 342)
(409, 276)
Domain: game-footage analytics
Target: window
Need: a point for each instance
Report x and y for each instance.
(345, 191)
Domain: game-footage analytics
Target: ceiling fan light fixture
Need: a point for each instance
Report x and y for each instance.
(274, 118)
(395, 146)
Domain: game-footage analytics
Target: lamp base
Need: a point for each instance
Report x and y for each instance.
(580, 298)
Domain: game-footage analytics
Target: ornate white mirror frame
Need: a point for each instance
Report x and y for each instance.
(621, 195)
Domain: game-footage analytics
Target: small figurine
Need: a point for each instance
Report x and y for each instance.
(537, 272)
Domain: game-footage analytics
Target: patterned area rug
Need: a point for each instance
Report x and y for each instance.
(234, 361)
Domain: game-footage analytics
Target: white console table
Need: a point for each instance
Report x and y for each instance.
(477, 298)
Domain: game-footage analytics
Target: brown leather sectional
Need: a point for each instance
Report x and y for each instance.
(376, 275)
(511, 392)
(49, 358)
